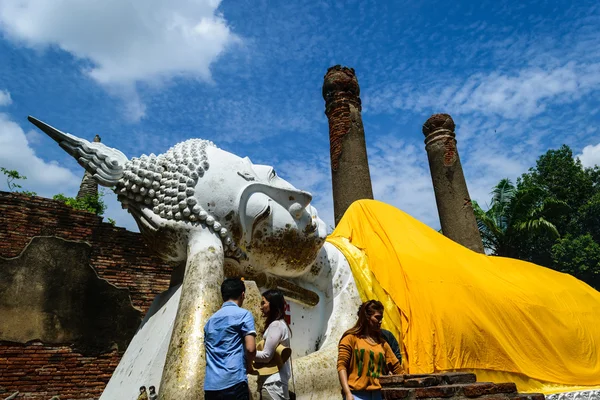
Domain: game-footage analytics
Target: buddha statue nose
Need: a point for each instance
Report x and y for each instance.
(299, 200)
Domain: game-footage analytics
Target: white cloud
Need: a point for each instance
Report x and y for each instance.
(134, 109)
(124, 42)
(42, 177)
(5, 98)
(34, 137)
(525, 94)
(522, 93)
(590, 155)
(400, 177)
(46, 178)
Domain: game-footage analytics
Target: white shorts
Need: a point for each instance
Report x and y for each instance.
(274, 391)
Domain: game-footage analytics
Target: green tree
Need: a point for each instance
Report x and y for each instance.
(589, 217)
(559, 176)
(513, 214)
(580, 257)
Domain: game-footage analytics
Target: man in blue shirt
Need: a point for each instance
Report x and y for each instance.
(229, 340)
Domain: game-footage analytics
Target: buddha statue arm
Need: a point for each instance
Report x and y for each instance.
(315, 375)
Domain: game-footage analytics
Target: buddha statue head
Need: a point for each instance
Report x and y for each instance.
(264, 222)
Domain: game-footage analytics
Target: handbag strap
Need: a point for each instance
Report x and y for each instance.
(292, 370)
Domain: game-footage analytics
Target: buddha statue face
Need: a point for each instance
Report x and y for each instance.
(266, 224)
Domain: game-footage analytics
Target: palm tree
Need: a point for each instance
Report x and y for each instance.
(513, 213)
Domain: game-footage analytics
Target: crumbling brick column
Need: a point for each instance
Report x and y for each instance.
(451, 194)
(89, 186)
(349, 164)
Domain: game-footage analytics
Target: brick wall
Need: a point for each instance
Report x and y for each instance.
(41, 371)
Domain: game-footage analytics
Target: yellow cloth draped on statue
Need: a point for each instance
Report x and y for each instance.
(455, 309)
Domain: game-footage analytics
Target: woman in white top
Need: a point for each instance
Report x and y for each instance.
(275, 386)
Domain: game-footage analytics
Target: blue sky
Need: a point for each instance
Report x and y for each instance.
(518, 79)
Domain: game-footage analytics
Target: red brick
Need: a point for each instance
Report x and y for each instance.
(119, 256)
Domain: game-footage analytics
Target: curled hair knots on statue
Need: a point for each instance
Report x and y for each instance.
(166, 184)
(361, 327)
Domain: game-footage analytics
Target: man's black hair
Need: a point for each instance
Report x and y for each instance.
(232, 289)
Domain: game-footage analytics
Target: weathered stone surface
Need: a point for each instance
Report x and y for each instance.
(117, 255)
(51, 293)
(185, 365)
(396, 393)
(529, 396)
(423, 381)
(391, 380)
(451, 193)
(350, 175)
(483, 388)
(437, 391)
(458, 377)
(455, 385)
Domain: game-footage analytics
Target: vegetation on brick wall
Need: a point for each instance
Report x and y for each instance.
(12, 176)
(90, 203)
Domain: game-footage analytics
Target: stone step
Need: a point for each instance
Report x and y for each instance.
(528, 396)
(462, 390)
(449, 386)
(500, 396)
(422, 380)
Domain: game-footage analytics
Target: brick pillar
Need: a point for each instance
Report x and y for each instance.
(451, 193)
(89, 186)
(349, 164)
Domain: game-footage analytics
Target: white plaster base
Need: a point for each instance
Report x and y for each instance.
(581, 395)
(143, 361)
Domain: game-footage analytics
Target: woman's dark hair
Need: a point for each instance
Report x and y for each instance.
(276, 306)
(361, 327)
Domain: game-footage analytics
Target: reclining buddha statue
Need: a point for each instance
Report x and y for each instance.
(452, 309)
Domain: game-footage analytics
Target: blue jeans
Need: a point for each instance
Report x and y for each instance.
(366, 395)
